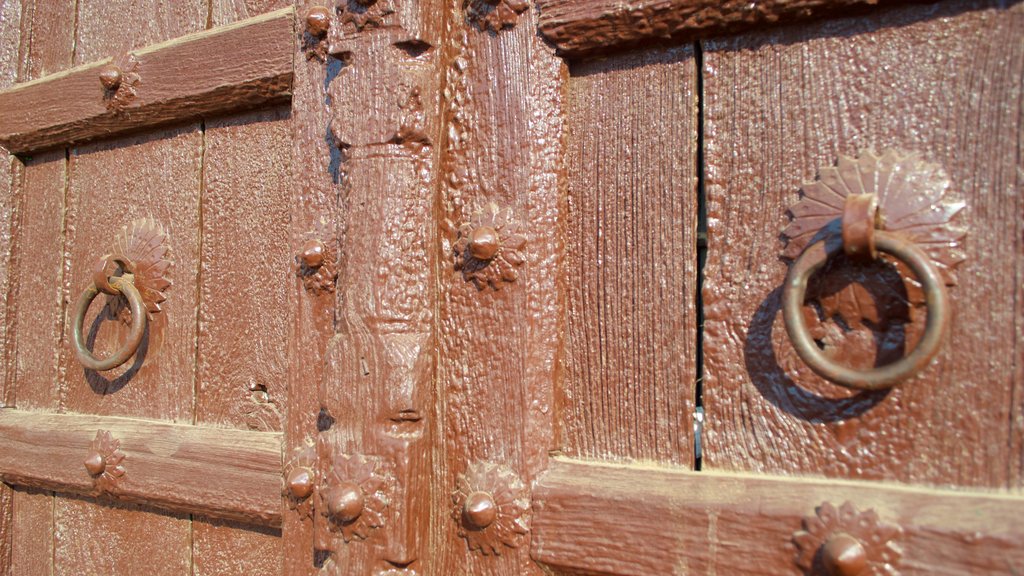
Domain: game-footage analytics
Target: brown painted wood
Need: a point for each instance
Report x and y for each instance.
(583, 26)
(38, 191)
(314, 213)
(220, 472)
(178, 82)
(642, 520)
(242, 356)
(630, 255)
(498, 349)
(229, 11)
(112, 183)
(943, 81)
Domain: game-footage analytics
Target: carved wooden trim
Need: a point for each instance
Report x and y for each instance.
(177, 80)
(233, 474)
(612, 519)
(580, 26)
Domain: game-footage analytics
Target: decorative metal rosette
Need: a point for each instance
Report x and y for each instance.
(488, 248)
(843, 540)
(915, 200)
(143, 248)
(491, 507)
(353, 496)
(104, 461)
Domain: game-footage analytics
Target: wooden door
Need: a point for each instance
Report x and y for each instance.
(486, 287)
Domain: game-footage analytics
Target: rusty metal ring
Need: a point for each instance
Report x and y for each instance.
(811, 260)
(125, 286)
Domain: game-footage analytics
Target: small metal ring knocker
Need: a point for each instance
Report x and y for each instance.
(884, 186)
(139, 252)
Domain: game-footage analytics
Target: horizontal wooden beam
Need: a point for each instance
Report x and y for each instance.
(244, 65)
(608, 519)
(233, 474)
(578, 27)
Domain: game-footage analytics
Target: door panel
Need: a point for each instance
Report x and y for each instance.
(944, 81)
(628, 387)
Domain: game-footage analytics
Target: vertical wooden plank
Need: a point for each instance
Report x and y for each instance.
(377, 391)
(32, 534)
(943, 80)
(47, 37)
(227, 11)
(498, 349)
(243, 336)
(313, 215)
(107, 29)
(630, 246)
(103, 538)
(10, 20)
(113, 183)
(42, 45)
(220, 547)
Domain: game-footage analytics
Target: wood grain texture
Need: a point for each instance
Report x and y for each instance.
(227, 11)
(219, 472)
(156, 175)
(377, 389)
(44, 44)
(90, 539)
(630, 245)
(944, 81)
(31, 544)
(608, 519)
(108, 29)
(314, 214)
(37, 289)
(178, 82)
(243, 323)
(221, 547)
(498, 350)
(581, 26)
(243, 276)
(47, 37)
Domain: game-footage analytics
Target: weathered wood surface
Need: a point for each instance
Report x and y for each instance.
(178, 81)
(157, 175)
(944, 81)
(630, 256)
(37, 201)
(608, 519)
(314, 214)
(219, 472)
(582, 26)
(498, 349)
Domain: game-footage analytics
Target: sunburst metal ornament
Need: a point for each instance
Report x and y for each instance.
(844, 541)
(915, 200)
(490, 508)
(142, 249)
(104, 462)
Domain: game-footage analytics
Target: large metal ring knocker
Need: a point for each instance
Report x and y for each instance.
(894, 202)
(140, 253)
(811, 260)
(124, 285)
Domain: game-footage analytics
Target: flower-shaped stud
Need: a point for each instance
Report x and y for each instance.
(845, 542)
(495, 14)
(353, 496)
(300, 480)
(488, 249)
(120, 80)
(490, 506)
(104, 461)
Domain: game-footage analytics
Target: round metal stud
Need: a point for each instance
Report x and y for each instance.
(110, 77)
(300, 483)
(313, 252)
(318, 21)
(95, 463)
(479, 511)
(844, 555)
(345, 502)
(484, 243)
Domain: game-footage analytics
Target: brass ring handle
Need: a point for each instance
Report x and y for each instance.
(812, 259)
(126, 286)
